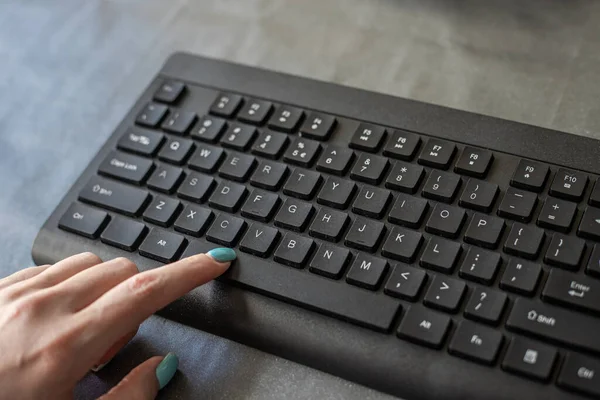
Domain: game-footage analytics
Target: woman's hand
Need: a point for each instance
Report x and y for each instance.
(59, 321)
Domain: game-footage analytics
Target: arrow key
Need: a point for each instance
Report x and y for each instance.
(445, 294)
(405, 282)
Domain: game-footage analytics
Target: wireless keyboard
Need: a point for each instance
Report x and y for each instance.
(422, 251)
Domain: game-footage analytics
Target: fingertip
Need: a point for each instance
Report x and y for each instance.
(165, 371)
(222, 254)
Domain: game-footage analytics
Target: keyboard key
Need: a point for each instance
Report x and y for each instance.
(302, 152)
(208, 129)
(237, 167)
(445, 221)
(565, 251)
(126, 167)
(573, 291)
(228, 196)
(238, 137)
(437, 153)
(302, 184)
(318, 126)
(557, 214)
(162, 211)
(402, 245)
(194, 220)
(372, 202)
(368, 137)
(286, 118)
(151, 115)
(335, 160)
(83, 220)
(169, 92)
(480, 265)
(521, 277)
(405, 177)
(486, 305)
(589, 227)
(255, 111)
(259, 240)
(270, 144)
(475, 342)
(445, 294)
(530, 175)
(336, 193)
(176, 151)
(364, 234)
(145, 143)
(114, 196)
(479, 195)
(294, 215)
(408, 211)
(226, 230)
(402, 145)
(329, 224)
(162, 245)
(206, 158)
(196, 187)
(405, 282)
(518, 205)
(260, 205)
(440, 255)
(593, 266)
(124, 233)
(484, 231)
(369, 168)
(474, 162)
(165, 178)
(424, 326)
(367, 271)
(330, 261)
(524, 241)
(595, 195)
(294, 250)
(179, 122)
(441, 186)
(580, 373)
(226, 105)
(269, 175)
(528, 358)
(569, 185)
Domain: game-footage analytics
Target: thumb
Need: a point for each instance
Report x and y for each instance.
(145, 380)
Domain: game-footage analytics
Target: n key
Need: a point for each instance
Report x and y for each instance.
(330, 261)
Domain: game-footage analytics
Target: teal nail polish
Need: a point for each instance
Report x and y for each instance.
(166, 369)
(222, 254)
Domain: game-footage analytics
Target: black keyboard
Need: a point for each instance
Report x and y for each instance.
(422, 251)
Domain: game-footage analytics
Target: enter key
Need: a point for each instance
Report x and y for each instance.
(572, 290)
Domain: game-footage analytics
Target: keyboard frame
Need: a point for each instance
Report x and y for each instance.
(381, 361)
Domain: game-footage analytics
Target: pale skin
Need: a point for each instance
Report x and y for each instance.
(58, 321)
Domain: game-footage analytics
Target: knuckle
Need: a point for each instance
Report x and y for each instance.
(89, 256)
(144, 284)
(128, 265)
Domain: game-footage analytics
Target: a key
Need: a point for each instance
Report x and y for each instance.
(565, 251)
(569, 185)
(286, 118)
(165, 179)
(329, 224)
(573, 291)
(228, 196)
(372, 202)
(238, 137)
(580, 373)
(335, 160)
(302, 184)
(162, 211)
(226, 105)
(595, 195)
(179, 122)
(237, 167)
(440, 255)
(529, 358)
(126, 167)
(255, 111)
(114, 196)
(557, 214)
(524, 241)
(402, 245)
(424, 326)
(142, 142)
(124, 233)
(209, 129)
(206, 158)
(83, 220)
(484, 231)
(270, 144)
(151, 115)
(302, 152)
(517, 204)
(402, 145)
(260, 205)
(408, 211)
(318, 126)
(194, 220)
(196, 187)
(589, 227)
(259, 240)
(405, 282)
(162, 245)
(474, 162)
(294, 250)
(405, 177)
(367, 271)
(294, 215)
(170, 91)
(593, 266)
(269, 175)
(521, 277)
(226, 230)
(176, 151)
(364, 234)
(369, 168)
(437, 153)
(486, 305)
(441, 186)
(479, 195)
(480, 265)
(368, 137)
(445, 221)
(530, 175)
(336, 192)
(445, 294)
(330, 261)
(476, 343)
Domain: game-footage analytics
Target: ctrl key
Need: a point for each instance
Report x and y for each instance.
(581, 374)
(425, 327)
(83, 220)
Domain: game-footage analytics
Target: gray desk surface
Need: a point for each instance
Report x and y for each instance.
(70, 69)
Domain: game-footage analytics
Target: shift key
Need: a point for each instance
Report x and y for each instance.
(571, 290)
(114, 196)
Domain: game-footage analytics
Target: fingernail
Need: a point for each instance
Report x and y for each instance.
(97, 368)
(166, 369)
(222, 254)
